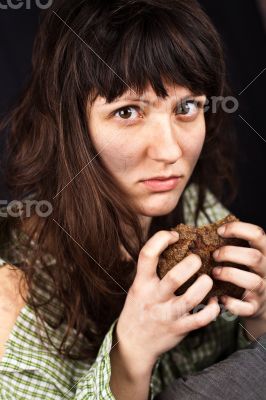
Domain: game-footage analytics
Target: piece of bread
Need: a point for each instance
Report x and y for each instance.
(203, 241)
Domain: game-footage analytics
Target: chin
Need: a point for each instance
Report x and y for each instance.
(158, 207)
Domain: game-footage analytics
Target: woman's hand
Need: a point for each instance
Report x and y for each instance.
(154, 319)
(252, 306)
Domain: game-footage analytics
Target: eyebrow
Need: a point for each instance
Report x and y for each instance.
(131, 98)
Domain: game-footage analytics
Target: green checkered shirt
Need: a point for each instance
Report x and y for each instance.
(32, 369)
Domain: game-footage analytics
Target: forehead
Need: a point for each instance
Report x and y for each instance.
(174, 91)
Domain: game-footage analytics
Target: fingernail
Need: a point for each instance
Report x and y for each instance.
(216, 253)
(176, 234)
(221, 230)
(217, 270)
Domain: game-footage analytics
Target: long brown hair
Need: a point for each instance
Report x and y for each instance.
(137, 42)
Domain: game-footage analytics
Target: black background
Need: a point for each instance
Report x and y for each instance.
(241, 27)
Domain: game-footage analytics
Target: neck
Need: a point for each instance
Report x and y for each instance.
(145, 223)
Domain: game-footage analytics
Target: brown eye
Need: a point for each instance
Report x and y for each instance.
(189, 107)
(126, 113)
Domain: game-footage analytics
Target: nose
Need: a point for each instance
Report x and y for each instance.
(164, 144)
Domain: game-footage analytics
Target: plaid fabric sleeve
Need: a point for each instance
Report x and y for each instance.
(96, 384)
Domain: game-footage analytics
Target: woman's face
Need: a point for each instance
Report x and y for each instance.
(149, 137)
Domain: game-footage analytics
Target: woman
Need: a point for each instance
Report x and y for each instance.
(117, 98)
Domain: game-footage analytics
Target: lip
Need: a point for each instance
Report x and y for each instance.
(161, 177)
(161, 185)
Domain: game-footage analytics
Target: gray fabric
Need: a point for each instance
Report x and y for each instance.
(241, 376)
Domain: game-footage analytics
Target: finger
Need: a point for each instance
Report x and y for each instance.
(245, 279)
(239, 307)
(150, 253)
(254, 234)
(178, 275)
(197, 320)
(252, 258)
(195, 293)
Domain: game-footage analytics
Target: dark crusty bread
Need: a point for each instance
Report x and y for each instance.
(203, 241)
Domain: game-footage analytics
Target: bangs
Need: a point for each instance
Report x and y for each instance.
(157, 47)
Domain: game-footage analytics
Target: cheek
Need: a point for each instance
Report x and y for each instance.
(117, 154)
(117, 159)
(194, 141)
